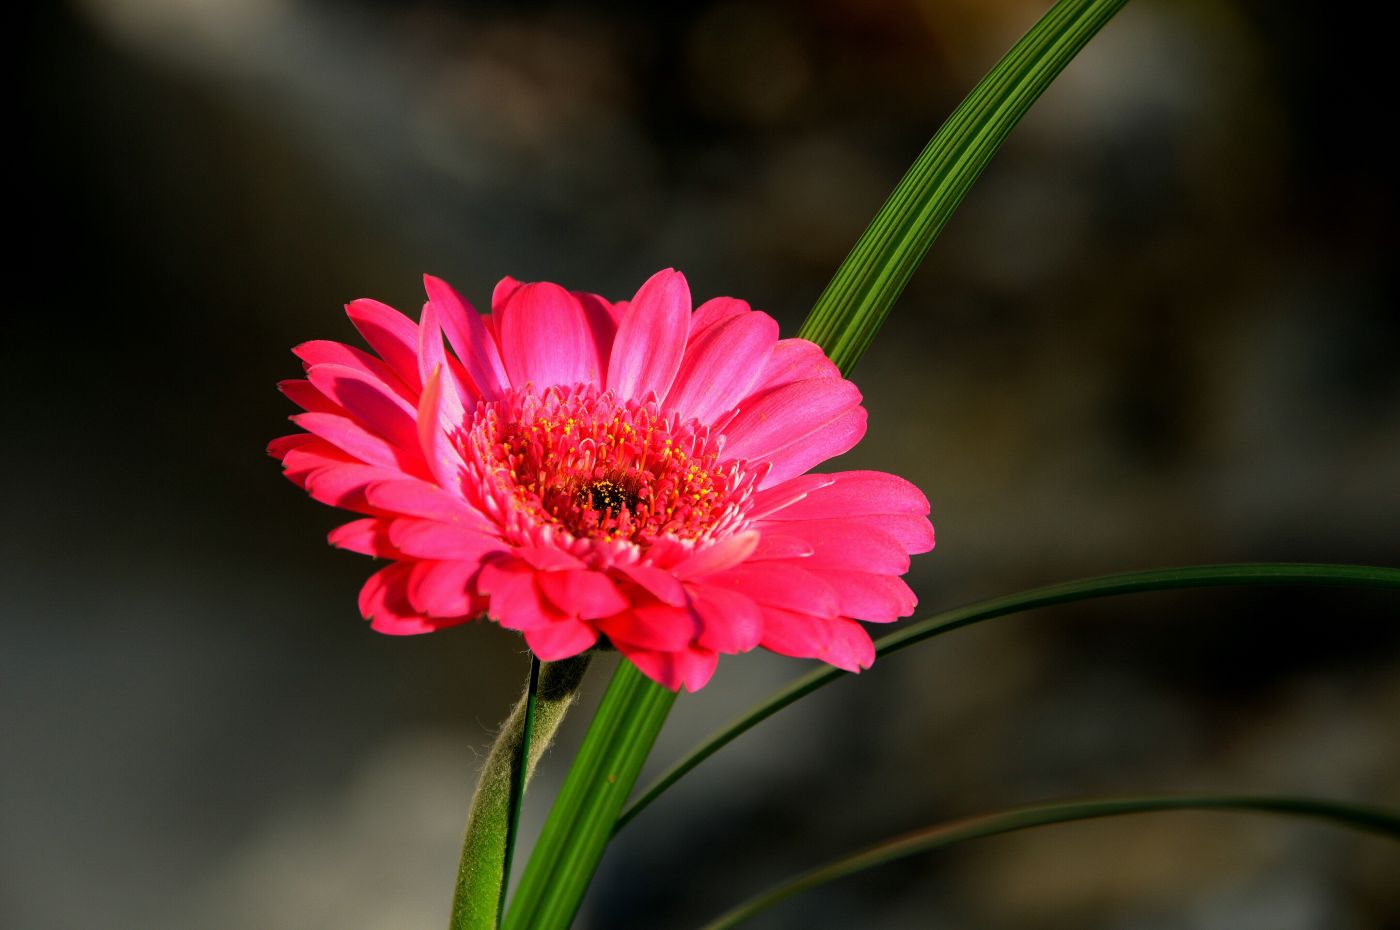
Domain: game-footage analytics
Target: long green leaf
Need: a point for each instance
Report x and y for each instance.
(1160, 579)
(1354, 816)
(854, 305)
(580, 823)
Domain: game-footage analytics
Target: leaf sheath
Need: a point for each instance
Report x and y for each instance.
(493, 821)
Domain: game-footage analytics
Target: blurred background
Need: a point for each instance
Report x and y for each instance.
(1161, 330)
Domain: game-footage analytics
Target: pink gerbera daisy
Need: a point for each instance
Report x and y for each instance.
(592, 472)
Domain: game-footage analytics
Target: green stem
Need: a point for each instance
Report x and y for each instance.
(494, 820)
(1159, 579)
(517, 786)
(599, 781)
(1353, 816)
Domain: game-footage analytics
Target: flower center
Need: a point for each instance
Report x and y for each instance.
(607, 496)
(577, 460)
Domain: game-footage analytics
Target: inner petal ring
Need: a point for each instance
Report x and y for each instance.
(603, 472)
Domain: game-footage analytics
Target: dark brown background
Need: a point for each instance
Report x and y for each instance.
(1161, 330)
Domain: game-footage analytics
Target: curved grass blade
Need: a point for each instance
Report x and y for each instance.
(1352, 816)
(1160, 579)
(854, 305)
(599, 781)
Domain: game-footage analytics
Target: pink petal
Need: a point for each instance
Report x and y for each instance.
(828, 441)
(369, 401)
(469, 339)
(305, 396)
(717, 556)
(388, 584)
(850, 646)
(873, 598)
(602, 316)
(384, 602)
(420, 499)
(779, 584)
(613, 308)
(443, 589)
(691, 668)
(774, 545)
(786, 415)
(344, 486)
(582, 593)
(326, 352)
(854, 493)
(391, 334)
(280, 446)
(843, 544)
(315, 453)
(835, 640)
(304, 461)
(653, 626)
(659, 583)
(651, 338)
(560, 639)
(368, 536)
(914, 533)
(730, 621)
(721, 366)
(349, 436)
(516, 601)
(501, 294)
(434, 434)
(428, 539)
(801, 636)
(546, 559)
(666, 553)
(784, 494)
(433, 357)
(713, 311)
(885, 501)
(412, 624)
(545, 338)
(795, 360)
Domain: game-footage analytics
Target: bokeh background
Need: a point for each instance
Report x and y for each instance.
(1161, 330)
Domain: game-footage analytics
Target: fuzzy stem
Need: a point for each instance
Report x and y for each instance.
(518, 777)
(599, 781)
(491, 826)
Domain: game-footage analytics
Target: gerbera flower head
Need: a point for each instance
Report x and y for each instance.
(590, 472)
